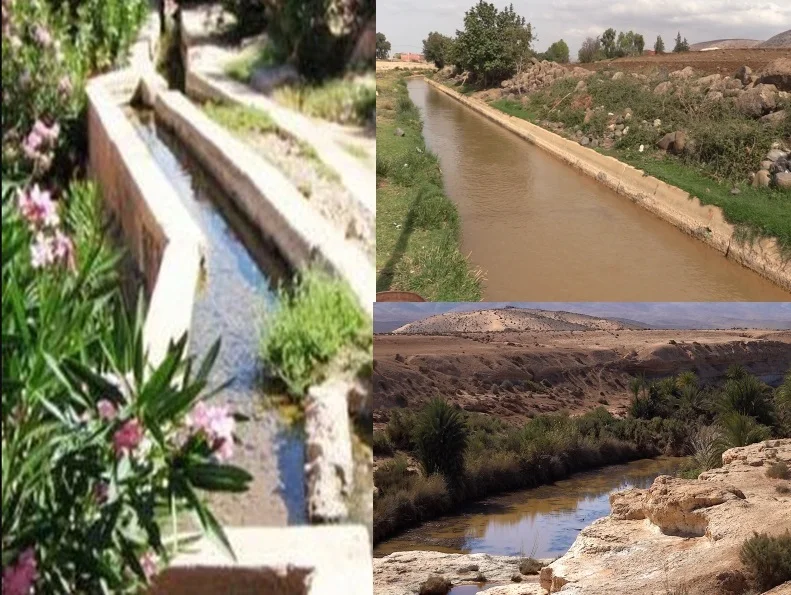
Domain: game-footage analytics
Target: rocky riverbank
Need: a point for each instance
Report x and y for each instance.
(681, 535)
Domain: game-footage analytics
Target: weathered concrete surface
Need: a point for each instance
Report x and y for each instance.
(695, 547)
(266, 197)
(204, 67)
(402, 573)
(280, 561)
(705, 222)
(165, 243)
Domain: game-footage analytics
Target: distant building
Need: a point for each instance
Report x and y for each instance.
(407, 57)
(649, 52)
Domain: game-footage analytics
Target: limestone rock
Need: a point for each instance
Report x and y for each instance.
(618, 76)
(783, 180)
(663, 88)
(778, 73)
(683, 74)
(757, 101)
(435, 585)
(627, 505)
(762, 179)
(774, 118)
(744, 75)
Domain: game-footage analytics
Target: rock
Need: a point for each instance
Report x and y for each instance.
(517, 578)
(399, 132)
(735, 190)
(707, 81)
(435, 585)
(714, 96)
(663, 88)
(657, 123)
(627, 505)
(618, 76)
(619, 126)
(588, 115)
(585, 141)
(633, 555)
(666, 141)
(775, 154)
(595, 143)
(680, 141)
(618, 133)
(767, 163)
(581, 86)
(757, 101)
(777, 73)
(762, 179)
(744, 75)
(783, 180)
(683, 74)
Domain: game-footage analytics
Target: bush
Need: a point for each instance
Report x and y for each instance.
(96, 442)
(440, 440)
(381, 444)
(400, 427)
(309, 326)
(530, 566)
(768, 559)
(347, 101)
(778, 470)
(250, 15)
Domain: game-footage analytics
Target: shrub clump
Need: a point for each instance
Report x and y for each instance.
(440, 439)
(778, 470)
(767, 559)
(311, 324)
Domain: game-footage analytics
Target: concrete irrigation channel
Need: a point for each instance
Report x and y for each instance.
(548, 219)
(212, 229)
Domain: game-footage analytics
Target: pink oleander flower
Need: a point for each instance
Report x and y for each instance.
(64, 85)
(42, 36)
(41, 251)
(106, 409)
(18, 579)
(37, 207)
(49, 133)
(127, 437)
(217, 425)
(31, 145)
(63, 249)
(148, 562)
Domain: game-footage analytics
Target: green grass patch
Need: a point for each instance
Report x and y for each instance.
(241, 119)
(347, 100)
(726, 146)
(417, 236)
(312, 325)
(355, 151)
(243, 67)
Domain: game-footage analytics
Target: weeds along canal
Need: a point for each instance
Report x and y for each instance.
(541, 230)
(241, 274)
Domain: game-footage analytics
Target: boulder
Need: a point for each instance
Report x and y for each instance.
(663, 88)
(775, 154)
(435, 585)
(680, 141)
(714, 96)
(585, 141)
(683, 74)
(618, 76)
(762, 179)
(774, 118)
(777, 73)
(744, 75)
(783, 180)
(707, 81)
(757, 101)
(627, 505)
(399, 132)
(667, 141)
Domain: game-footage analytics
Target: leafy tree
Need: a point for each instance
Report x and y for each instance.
(639, 43)
(608, 43)
(740, 430)
(437, 48)
(659, 46)
(440, 439)
(590, 51)
(382, 47)
(749, 396)
(558, 52)
(681, 46)
(494, 43)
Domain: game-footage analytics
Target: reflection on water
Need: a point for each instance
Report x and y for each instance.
(241, 272)
(541, 230)
(541, 522)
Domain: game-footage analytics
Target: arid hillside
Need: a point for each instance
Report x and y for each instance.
(516, 374)
(512, 319)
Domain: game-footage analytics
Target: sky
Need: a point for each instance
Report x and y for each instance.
(406, 23)
(391, 315)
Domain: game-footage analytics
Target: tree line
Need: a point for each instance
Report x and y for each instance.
(612, 44)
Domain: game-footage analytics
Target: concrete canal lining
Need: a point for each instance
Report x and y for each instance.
(704, 222)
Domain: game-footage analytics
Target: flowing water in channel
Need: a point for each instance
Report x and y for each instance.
(541, 230)
(542, 522)
(241, 272)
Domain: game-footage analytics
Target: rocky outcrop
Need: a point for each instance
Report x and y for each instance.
(775, 168)
(680, 534)
(541, 75)
(778, 73)
(403, 573)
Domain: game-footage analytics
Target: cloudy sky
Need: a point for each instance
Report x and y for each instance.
(388, 316)
(407, 22)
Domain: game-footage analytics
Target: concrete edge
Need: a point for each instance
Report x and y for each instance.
(704, 222)
(267, 198)
(359, 181)
(165, 243)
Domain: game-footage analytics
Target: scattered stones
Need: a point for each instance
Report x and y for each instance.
(683, 74)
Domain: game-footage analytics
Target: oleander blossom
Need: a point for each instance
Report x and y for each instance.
(40, 143)
(106, 409)
(18, 579)
(42, 253)
(37, 207)
(63, 249)
(217, 425)
(42, 36)
(148, 562)
(127, 437)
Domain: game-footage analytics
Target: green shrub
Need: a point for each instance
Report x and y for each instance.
(250, 15)
(778, 470)
(768, 559)
(432, 209)
(240, 118)
(440, 440)
(748, 396)
(311, 324)
(344, 100)
(399, 429)
(381, 444)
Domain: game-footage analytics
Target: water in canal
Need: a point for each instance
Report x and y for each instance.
(542, 522)
(541, 230)
(241, 272)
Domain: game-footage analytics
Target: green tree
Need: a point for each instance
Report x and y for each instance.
(740, 430)
(440, 440)
(494, 43)
(681, 45)
(659, 46)
(558, 52)
(590, 51)
(639, 44)
(382, 47)
(608, 43)
(437, 48)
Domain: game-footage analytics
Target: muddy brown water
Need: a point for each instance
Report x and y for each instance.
(541, 230)
(542, 522)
